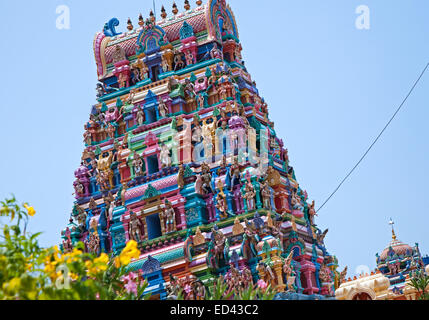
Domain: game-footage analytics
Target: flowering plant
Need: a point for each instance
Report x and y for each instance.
(29, 272)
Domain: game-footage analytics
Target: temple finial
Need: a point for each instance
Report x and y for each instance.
(175, 10)
(163, 13)
(187, 5)
(130, 25)
(141, 20)
(199, 2)
(393, 230)
(152, 16)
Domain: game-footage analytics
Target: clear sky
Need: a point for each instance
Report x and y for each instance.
(330, 87)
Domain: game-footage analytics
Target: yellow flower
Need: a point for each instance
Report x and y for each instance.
(130, 252)
(30, 210)
(103, 258)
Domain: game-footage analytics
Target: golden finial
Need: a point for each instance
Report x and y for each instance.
(393, 230)
(141, 20)
(199, 2)
(187, 5)
(163, 13)
(152, 16)
(130, 25)
(175, 10)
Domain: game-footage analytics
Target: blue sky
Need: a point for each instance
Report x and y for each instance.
(330, 88)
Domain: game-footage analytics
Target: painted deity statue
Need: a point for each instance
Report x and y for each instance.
(163, 109)
(169, 217)
(140, 116)
(215, 53)
(206, 177)
(134, 228)
(138, 165)
(312, 212)
(93, 243)
(165, 156)
(249, 196)
(103, 165)
(266, 195)
(296, 202)
(178, 62)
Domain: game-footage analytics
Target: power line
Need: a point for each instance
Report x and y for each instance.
(378, 137)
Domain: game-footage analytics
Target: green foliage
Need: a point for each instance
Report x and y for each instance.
(29, 272)
(420, 282)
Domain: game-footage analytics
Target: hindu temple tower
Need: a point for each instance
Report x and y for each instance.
(180, 155)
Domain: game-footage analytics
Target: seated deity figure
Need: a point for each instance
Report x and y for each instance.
(296, 202)
(134, 228)
(215, 53)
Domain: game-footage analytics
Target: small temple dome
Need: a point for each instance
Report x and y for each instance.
(396, 247)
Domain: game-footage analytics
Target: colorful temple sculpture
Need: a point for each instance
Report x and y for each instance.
(396, 265)
(180, 156)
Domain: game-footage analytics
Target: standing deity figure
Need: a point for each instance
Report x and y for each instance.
(134, 228)
(81, 216)
(215, 53)
(140, 116)
(135, 77)
(178, 62)
(163, 109)
(111, 130)
(165, 156)
(221, 202)
(266, 274)
(235, 173)
(79, 188)
(165, 65)
(223, 93)
(144, 71)
(67, 242)
(93, 243)
(289, 272)
(122, 80)
(206, 178)
(296, 202)
(218, 239)
(138, 165)
(266, 195)
(249, 195)
(201, 100)
(189, 88)
(169, 217)
(87, 138)
(189, 57)
(181, 177)
(312, 212)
